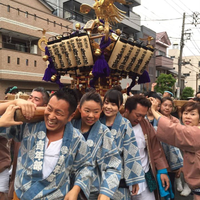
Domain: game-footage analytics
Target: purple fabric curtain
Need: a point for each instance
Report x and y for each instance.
(50, 71)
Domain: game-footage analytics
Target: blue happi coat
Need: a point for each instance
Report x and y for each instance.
(105, 157)
(74, 155)
(125, 140)
(173, 154)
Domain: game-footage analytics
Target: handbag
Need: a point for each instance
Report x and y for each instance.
(151, 182)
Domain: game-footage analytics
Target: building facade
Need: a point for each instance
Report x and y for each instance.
(21, 25)
(163, 62)
(190, 68)
(70, 10)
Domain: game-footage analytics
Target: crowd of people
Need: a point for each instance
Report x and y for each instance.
(104, 153)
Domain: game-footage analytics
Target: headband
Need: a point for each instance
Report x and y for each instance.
(13, 88)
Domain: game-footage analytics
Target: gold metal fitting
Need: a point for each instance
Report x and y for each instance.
(118, 32)
(100, 29)
(78, 26)
(54, 77)
(97, 52)
(45, 57)
(96, 21)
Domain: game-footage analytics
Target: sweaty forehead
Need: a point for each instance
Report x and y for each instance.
(36, 94)
(141, 109)
(167, 102)
(190, 109)
(60, 104)
(91, 104)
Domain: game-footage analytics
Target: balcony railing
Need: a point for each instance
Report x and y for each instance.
(164, 62)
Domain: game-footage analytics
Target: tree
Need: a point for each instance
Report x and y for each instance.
(165, 82)
(187, 92)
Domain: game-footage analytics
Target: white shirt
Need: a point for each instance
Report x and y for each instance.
(4, 180)
(143, 153)
(52, 153)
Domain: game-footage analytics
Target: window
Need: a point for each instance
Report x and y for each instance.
(54, 23)
(26, 14)
(172, 57)
(47, 21)
(161, 53)
(186, 74)
(151, 70)
(8, 59)
(26, 62)
(18, 11)
(199, 63)
(15, 44)
(67, 15)
(18, 61)
(35, 63)
(8, 8)
(157, 73)
(35, 16)
(175, 46)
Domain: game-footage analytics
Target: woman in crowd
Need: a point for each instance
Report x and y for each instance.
(186, 137)
(105, 155)
(166, 108)
(173, 154)
(121, 130)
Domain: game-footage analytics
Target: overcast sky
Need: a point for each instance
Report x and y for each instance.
(167, 15)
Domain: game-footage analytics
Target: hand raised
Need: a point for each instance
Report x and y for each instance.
(7, 119)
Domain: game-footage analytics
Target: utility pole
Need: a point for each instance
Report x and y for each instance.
(180, 57)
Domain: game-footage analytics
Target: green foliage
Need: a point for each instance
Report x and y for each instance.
(165, 82)
(187, 92)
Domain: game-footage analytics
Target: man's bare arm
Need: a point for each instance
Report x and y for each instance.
(28, 108)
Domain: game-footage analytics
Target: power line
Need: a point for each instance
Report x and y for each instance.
(37, 16)
(196, 47)
(178, 5)
(173, 7)
(169, 19)
(185, 5)
(192, 53)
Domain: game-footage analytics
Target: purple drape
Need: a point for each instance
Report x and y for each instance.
(50, 71)
(101, 68)
(144, 78)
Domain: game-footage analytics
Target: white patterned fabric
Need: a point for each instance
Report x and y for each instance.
(127, 146)
(105, 156)
(74, 155)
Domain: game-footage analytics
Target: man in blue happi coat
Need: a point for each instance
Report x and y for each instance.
(49, 150)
